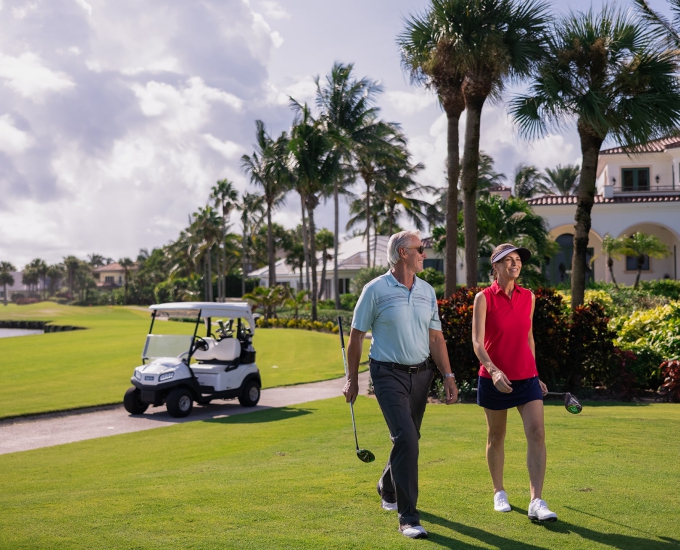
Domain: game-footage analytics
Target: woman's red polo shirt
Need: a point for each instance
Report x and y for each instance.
(506, 333)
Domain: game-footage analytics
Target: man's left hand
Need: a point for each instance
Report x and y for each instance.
(451, 390)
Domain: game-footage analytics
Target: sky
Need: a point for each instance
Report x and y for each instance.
(116, 118)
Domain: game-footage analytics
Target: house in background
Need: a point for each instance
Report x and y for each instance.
(351, 259)
(635, 192)
(111, 276)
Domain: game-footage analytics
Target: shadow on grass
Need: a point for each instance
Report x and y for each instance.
(269, 415)
(613, 540)
(472, 532)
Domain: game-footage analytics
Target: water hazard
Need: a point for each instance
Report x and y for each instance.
(9, 332)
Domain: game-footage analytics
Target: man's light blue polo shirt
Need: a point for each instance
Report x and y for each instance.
(399, 319)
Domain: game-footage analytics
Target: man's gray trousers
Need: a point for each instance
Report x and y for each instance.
(402, 398)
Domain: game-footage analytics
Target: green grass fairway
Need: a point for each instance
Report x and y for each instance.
(63, 370)
(289, 478)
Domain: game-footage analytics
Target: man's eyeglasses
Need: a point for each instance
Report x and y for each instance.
(420, 248)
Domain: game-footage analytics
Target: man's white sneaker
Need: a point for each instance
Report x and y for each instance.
(539, 511)
(387, 500)
(415, 531)
(500, 502)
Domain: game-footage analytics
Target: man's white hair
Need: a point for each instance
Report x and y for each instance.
(397, 241)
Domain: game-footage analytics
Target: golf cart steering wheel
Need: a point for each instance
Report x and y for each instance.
(201, 344)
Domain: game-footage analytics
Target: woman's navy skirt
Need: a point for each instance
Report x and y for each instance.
(522, 392)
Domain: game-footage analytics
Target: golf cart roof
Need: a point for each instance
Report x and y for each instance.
(231, 310)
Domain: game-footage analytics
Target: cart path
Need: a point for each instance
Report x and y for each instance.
(24, 434)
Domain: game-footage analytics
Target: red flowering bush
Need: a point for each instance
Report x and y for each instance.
(670, 389)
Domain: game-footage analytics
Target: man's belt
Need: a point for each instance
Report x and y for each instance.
(411, 369)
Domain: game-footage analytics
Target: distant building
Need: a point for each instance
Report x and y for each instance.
(351, 259)
(637, 191)
(111, 276)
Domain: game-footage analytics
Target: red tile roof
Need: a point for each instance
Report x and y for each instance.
(599, 199)
(115, 266)
(654, 146)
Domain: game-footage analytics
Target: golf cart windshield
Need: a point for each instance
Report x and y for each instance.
(166, 345)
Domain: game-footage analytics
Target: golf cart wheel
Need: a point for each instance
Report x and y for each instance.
(179, 402)
(133, 401)
(250, 395)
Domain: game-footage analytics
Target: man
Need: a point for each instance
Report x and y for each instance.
(401, 311)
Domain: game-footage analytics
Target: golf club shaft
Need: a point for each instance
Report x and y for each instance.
(344, 361)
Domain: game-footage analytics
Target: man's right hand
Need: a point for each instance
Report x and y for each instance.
(351, 390)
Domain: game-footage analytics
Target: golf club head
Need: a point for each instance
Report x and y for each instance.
(572, 404)
(365, 455)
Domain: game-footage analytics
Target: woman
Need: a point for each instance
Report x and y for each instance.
(504, 343)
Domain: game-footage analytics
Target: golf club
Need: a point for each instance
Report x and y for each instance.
(570, 402)
(363, 454)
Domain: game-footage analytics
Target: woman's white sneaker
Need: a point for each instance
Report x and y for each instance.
(539, 511)
(500, 502)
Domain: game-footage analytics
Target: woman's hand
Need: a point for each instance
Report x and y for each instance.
(501, 381)
(544, 388)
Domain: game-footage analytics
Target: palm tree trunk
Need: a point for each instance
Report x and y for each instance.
(305, 241)
(368, 221)
(312, 202)
(454, 106)
(323, 274)
(590, 149)
(640, 263)
(4, 294)
(244, 260)
(336, 282)
(474, 106)
(610, 265)
(270, 248)
(375, 243)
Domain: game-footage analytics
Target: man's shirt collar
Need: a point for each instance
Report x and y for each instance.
(392, 281)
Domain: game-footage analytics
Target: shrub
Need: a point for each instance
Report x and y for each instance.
(670, 390)
(366, 275)
(668, 288)
(551, 335)
(325, 304)
(432, 276)
(455, 313)
(348, 301)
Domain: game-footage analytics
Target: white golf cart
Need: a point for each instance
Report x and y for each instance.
(224, 366)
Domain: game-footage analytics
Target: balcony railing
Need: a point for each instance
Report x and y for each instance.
(617, 189)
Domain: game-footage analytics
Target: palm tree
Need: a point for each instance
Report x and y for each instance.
(324, 240)
(269, 167)
(71, 264)
(252, 210)
(614, 248)
(316, 165)
(563, 180)
(39, 268)
(96, 260)
(665, 28)
(127, 264)
(428, 48)
(295, 258)
(266, 298)
(6, 277)
(55, 273)
(495, 41)
(205, 231)
(487, 177)
(640, 245)
(607, 73)
(296, 299)
(225, 197)
(348, 109)
(529, 182)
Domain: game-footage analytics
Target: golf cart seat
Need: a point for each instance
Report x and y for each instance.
(226, 350)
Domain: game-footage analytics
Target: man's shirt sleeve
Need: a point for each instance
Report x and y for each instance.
(435, 323)
(365, 311)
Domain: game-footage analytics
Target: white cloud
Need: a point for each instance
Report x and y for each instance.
(303, 89)
(12, 140)
(184, 108)
(28, 76)
(227, 148)
(273, 10)
(87, 7)
(24, 11)
(408, 103)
